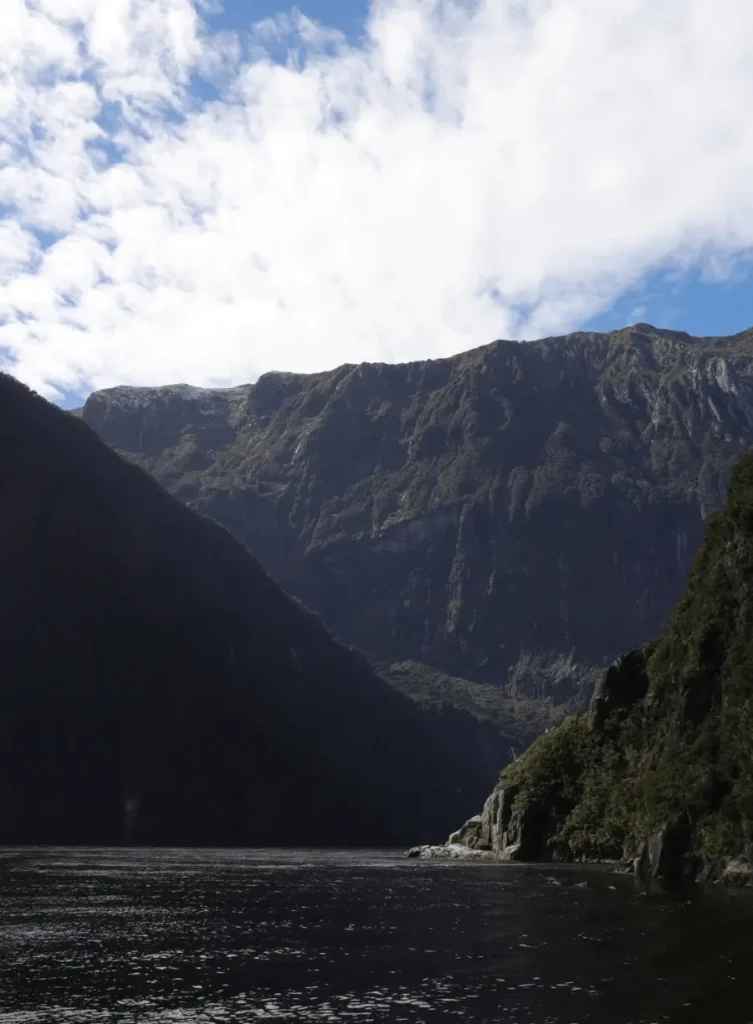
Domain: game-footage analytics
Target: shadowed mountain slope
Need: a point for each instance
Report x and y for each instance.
(157, 685)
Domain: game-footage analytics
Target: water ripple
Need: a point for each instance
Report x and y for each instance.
(199, 937)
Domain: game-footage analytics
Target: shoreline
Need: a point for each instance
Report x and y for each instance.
(740, 884)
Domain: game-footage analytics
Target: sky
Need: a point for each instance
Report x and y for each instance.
(200, 193)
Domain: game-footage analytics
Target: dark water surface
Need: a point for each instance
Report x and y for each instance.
(194, 937)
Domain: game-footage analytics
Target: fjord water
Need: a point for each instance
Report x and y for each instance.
(168, 936)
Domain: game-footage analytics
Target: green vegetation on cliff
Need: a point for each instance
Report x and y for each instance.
(667, 747)
(515, 716)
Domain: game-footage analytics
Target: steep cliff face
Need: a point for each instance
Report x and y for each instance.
(659, 771)
(157, 686)
(514, 515)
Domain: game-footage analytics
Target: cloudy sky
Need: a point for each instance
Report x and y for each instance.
(191, 192)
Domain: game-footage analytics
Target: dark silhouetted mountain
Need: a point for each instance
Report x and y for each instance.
(659, 771)
(512, 516)
(157, 685)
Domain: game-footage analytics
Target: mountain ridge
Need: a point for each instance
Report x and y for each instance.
(477, 514)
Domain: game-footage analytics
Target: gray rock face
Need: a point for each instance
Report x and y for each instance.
(450, 851)
(470, 835)
(496, 816)
(513, 833)
(523, 839)
(501, 831)
(664, 856)
(738, 873)
(522, 506)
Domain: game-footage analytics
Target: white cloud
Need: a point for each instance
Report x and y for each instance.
(472, 171)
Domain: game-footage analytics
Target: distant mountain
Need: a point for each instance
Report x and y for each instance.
(157, 686)
(660, 770)
(513, 516)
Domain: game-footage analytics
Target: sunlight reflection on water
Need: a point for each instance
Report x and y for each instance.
(195, 937)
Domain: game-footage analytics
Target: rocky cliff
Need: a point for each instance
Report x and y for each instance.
(659, 772)
(157, 686)
(512, 516)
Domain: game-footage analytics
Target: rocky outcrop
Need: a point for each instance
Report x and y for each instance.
(448, 851)
(470, 835)
(513, 832)
(738, 872)
(502, 831)
(665, 855)
(514, 515)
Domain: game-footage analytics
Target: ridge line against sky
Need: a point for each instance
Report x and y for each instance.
(198, 193)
